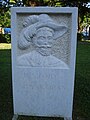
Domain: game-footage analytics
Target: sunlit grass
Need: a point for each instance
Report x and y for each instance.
(5, 46)
(85, 40)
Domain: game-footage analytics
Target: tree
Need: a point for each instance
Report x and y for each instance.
(82, 9)
(82, 6)
(5, 18)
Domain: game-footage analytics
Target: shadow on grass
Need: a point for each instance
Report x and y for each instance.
(82, 82)
(5, 85)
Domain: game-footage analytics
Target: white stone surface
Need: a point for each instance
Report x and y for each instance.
(43, 77)
(41, 32)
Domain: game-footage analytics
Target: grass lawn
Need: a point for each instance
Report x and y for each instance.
(5, 46)
(82, 84)
(82, 81)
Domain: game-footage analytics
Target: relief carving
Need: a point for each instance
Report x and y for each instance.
(40, 31)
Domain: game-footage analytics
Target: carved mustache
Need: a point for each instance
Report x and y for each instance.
(44, 46)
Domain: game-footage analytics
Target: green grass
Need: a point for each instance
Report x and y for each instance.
(5, 85)
(82, 81)
(82, 85)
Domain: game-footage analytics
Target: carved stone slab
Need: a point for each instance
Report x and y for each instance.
(43, 60)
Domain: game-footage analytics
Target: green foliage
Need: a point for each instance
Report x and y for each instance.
(12, 1)
(5, 38)
(8, 38)
(5, 21)
(5, 18)
(82, 9)
(58, 4)
(86, 20)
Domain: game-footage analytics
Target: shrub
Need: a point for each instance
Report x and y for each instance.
(8, 38)
(5, 38)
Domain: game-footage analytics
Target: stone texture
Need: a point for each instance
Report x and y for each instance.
(45, 90)
(61, 47)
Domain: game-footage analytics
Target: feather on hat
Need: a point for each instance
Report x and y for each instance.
(35, 22)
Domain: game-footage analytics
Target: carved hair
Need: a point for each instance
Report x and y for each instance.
(26, 36)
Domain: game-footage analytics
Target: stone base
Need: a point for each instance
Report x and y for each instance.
(67, 118)
(15, 117)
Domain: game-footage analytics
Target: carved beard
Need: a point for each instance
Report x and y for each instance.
(44, 51)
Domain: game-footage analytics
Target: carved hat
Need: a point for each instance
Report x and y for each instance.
(35, 22)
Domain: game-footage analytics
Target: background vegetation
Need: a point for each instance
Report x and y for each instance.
(83, 11)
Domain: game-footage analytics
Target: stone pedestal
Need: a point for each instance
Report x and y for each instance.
(43, 61)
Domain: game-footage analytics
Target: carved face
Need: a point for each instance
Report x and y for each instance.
(43, 41)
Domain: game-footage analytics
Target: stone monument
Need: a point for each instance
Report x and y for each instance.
(43, 61)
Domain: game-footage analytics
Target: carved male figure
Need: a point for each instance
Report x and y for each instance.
(40, 31)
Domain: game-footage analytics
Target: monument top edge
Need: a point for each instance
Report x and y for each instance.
(44, 9)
